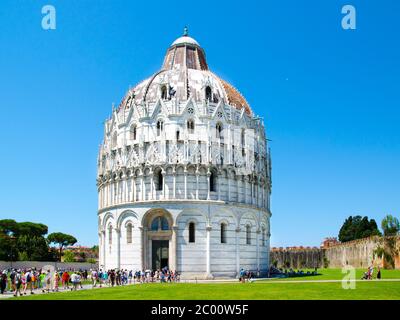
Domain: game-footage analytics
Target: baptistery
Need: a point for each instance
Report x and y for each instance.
(184, 174)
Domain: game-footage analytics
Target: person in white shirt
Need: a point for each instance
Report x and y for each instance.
(75, 281)
(94, 278)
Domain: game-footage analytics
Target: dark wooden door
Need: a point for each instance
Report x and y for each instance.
(160, 250)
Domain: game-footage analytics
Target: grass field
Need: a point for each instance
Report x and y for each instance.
(262, 290)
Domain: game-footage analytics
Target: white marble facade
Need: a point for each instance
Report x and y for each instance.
(184, 174)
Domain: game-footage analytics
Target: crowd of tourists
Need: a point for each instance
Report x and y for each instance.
(31, 280)
(121, 277)
(246, 275)
(290, 272)
(23, 281)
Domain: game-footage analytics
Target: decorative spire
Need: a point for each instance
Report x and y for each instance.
(185, 31)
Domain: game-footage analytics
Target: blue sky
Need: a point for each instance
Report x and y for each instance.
(330, 99)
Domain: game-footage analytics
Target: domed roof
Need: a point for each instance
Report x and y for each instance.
(185, 40)
(185, 74)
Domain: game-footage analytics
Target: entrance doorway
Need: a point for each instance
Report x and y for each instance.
(160, 249)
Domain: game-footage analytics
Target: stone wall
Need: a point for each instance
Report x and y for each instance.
(358, 253)
(40, 264)
(297, 257)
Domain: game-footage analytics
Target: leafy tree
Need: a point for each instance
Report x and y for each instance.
(31, 229)
(62, 240)
(8, 248)
(390, 226)
(23, 256)
(24, 241)
(69, 256)
(8, 227)
(34, 247)
(91, 260)
(358, 227)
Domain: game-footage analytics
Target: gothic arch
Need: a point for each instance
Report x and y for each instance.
(253, 217)
(192, 211)
(153, 213)
(108, 217)
(125, 214)
(222, 213)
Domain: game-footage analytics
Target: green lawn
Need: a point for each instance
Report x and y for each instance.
(336, 274)
(249, 291)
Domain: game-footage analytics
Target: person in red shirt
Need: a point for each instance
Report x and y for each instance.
(65, 280)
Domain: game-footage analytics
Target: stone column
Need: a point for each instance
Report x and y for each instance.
(143, 187)
(208, 183)
(133, 198)
(245, 187)
(103, 248)
(164, 184)
(115, 191)
(121, 195)
(258, 248)
(208, 253)
(141, 247)
(111, 192)
(126, 188)
(174, 249)
(229, 187)
(174, 182)
(118, 234)
(105, 194)
(252, 191)
(119, 191)
(197, 183)
(237, 234)
(108, 193)
(99, 197)
(219, 186)
(185, 182)
(238, 188)
(153, 197)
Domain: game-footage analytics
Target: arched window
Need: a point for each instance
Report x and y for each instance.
(159, 180)
(223, 233)
(190, 126)
(248, 234)
(208, 93)
(159, 223)
(242, 138)
(164, 92)
(178, 135)
(192, 231)
(133, 132)
(129, 233)
(160, 127)
(218, 129)
(212, 182)
(110, 234)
